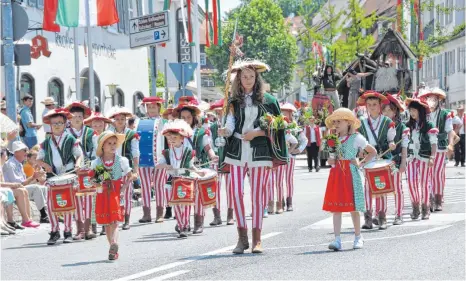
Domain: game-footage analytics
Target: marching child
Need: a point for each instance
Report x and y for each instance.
(108, 207)
(392, 110)
(59, 153)
(345, 191)
(422, 150)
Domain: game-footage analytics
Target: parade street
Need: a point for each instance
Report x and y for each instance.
(295, 246)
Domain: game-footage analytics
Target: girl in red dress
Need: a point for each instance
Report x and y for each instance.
(345, 191)
(108, 206)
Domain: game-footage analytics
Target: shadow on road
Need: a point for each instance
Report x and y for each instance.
(31, 246)
(324, 252)
(86, 263)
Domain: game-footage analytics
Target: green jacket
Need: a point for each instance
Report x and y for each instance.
(426, 148)
(87, 145)
(126, 146)
(66, 151)
(440, 124)
(400, 127)
(382, 142)
(185, 161)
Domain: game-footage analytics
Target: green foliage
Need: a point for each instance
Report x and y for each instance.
(266, 37)
(160, 81)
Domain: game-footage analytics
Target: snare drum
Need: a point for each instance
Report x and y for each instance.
(182, 192)
(208, 187)
(62, 192)
(148, 133)
(379, 176)
(85, 185)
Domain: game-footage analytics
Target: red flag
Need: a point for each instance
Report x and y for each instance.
(215, 20)
(50, 13)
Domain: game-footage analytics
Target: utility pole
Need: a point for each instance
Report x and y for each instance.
(419, 32)
(8, 58)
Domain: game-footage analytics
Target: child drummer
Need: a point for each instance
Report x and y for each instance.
(380, 132)
(85, 135)
(108, 208)
(178, 156)
(60, 153)
(393, 110)
(344, 191)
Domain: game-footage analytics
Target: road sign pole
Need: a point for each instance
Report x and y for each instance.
(165, 82)
(90, 57)
(8, 57)
(183, 86)
(153, 68)
(77, 75)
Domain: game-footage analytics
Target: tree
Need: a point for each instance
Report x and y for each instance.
(266, 37)
(160, 81)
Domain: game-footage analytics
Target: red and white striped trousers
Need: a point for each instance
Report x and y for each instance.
(399, 195)
(150, 178)
(419, 177)
(128, 198)
(257, 178)
(145, 174)
(219, 185)
(54, 224)
(289, 173)
(272, 181)
(182, 214)
(438, 173)
(198, 208)
(380, 201)
(83, 207)
(160, 179)
(221, 177)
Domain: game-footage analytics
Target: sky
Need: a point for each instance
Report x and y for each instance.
(225, 5)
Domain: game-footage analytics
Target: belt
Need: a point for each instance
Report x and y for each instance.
(330, 89)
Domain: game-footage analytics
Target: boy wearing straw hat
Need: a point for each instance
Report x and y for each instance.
(86, 138)
(59, 153)
(49, 103)
(129, 149)
(380, 132)
(443, 120)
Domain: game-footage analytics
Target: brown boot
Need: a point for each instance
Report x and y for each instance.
(243, 243)
(270, 208)
(367, 220)
(230, 220)
(94, 228)
(217, 218)
(438, 202)
(146, 218)
(289, 204)
(126, 224)
(256, 241)
(159, 215)
(79, 231)
(198, 224)
(88, 232)
(431, 203)
(425, 212)
(279, 208)
(416, 212)
(382, 221)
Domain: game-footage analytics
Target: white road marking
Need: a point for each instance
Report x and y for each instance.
(434, 220)
(370, 239)
(169, 275)
(189, 260)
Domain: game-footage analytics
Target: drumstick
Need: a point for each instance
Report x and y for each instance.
(388, 150)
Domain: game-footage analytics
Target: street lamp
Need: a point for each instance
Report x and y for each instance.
(112, 88)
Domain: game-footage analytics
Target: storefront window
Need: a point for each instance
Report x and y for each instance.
(118, 98)
(137, 98)
(27, 87)
(56, 91)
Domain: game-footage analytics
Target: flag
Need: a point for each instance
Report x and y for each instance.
(50, 13)
(72, 13)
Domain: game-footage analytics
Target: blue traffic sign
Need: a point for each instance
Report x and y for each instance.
(156, 35)
(183, 76)
(179, 94)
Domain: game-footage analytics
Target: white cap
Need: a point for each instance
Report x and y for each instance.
(17, 146)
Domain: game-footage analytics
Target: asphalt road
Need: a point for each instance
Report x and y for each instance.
(295, 246)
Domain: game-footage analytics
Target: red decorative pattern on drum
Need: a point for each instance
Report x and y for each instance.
(182, 191)
(63, 198)
(85, 185)
(379, 177)
(208, 187)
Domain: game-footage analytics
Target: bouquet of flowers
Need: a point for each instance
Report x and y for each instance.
(332, 145)
(270, 122)
(102, 177)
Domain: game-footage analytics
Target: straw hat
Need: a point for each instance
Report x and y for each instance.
(105, 136)
(192, 104)
(288, 107)
(424, 93)
(87, 110)
(257, 65)
(117, 110)
(460, 107)
(97, 116)
(369, 94)
(178, 126)
(156, 100)
(57, 111)
(408, 101)
(343, 114)
(49, 101)
(396, 101)
(167, 112)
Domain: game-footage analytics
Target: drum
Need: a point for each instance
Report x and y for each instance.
(379, 176)
(182, 192)
(208, 187)
(86, 187)
(148, 134)
(62, 192)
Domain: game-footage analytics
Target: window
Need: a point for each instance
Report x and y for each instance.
(434, 67)
(207, 81)
(446, 59)
(40, 4)
(139, 7)
(137, 99)
(27, 86)
(203, 60)
(452, 62)
(55, 90)
(32, 3)
(151, 7)
(123, 13)
(459, 13)
(118, 98)
(451, 12)
(461, 59)
(442, 15)
(439, 66)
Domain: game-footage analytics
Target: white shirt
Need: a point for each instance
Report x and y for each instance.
(46, 127)
(124, 164)
(433, 117)
(80, 137)
(174, 153)
(416, 145)
(459, 120)
(134, 143)
(313, 133)
(56, 158)
(391, 133)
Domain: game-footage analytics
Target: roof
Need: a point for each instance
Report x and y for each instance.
(393, 43)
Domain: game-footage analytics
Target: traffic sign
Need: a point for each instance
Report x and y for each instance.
(188, 71)
(149, 30)
(180, 93)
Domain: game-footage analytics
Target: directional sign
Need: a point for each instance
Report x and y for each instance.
(149, 30)
(188, 71)
(179, 94)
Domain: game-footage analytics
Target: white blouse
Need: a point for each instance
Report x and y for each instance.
(56, 158)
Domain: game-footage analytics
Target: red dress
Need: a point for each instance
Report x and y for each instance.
(107, 205)
(339, 195)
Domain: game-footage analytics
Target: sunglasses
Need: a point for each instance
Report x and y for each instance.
(47, 105)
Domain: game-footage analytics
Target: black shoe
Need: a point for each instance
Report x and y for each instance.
(102, 232)
(67, 237)
(310, 170)
(15, 225)
(317, 169)
(44, 220)
(462, 165)
(457, 164)
(168, 213)
(54, 237)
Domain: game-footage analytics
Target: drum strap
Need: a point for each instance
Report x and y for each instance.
(375, 136)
